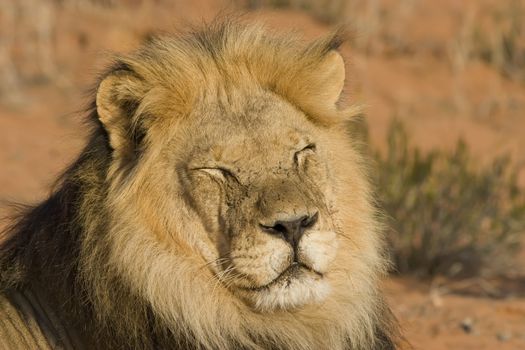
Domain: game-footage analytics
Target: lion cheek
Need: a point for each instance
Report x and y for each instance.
(318, 250)
(262, 266)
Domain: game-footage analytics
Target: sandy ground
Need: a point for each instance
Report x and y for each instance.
(42, 135)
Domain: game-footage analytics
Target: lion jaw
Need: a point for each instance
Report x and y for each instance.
(273, 280)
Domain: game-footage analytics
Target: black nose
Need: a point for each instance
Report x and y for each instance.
(291, 230)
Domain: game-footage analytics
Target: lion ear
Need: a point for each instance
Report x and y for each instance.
(330, 78)
(118, 97)
(321, 86)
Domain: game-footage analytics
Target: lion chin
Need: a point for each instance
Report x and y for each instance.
(296, 287)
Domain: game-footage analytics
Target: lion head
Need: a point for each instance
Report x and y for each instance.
(225, 200)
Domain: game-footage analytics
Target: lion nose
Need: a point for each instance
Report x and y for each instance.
(291, 230)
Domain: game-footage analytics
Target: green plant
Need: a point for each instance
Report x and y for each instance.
(448, 217)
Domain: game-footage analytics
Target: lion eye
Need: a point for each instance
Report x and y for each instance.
(216, 172)
(213, 171)
(308, 149)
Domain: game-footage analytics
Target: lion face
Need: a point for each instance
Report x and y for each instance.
(235, 194)
(259, 181)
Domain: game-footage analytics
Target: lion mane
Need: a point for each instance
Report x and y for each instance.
(113, 257)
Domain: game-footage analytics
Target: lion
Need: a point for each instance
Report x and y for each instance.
(218, 204)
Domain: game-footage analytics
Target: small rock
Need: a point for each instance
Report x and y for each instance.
(467, 325)
(436, 298)
(503, 336)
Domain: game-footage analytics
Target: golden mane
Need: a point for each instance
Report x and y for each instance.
(227, 54)
(117, 284)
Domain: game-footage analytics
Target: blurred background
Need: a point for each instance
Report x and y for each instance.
(443, 83)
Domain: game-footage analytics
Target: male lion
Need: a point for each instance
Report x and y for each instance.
(219, 204)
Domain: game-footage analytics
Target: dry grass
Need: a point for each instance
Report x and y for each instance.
(500, 40)
(328, 11)
(492, 32)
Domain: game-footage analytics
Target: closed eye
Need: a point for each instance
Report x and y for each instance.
(310, 148)
(217, 172)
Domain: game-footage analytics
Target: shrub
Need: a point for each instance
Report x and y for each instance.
(448, 217)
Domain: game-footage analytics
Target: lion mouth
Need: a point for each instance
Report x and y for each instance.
(294, 270)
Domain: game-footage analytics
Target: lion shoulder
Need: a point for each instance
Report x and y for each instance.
(27, 322)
